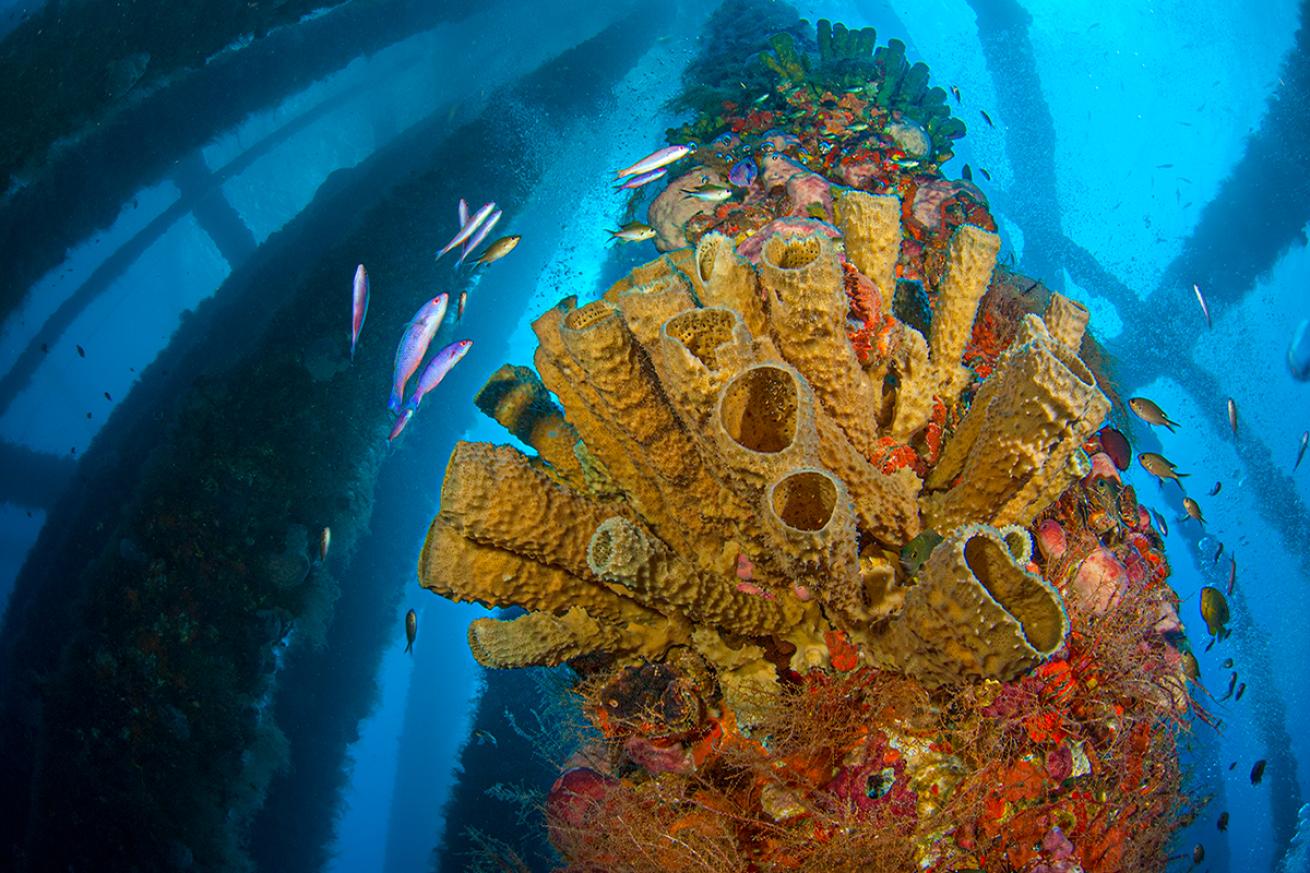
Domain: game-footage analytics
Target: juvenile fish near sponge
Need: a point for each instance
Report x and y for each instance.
(1214, 609)
(634, 231)
(1150, 413)
(1159, 466)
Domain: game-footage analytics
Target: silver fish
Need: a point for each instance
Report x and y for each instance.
(1205, 310)
(1300, 453)
(1232, 415)
(469, 228)
(476, 240)
(655, 160)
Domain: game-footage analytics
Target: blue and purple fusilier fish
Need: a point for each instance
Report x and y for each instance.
(358, 307)
(414, 345)
(441, 364)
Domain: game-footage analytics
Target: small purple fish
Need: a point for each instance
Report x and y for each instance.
(642, 179)
(401, 421)
(469, 227)
(477, 238)
(743, 173)
(358, 307)
(414, 345)
(441, 364)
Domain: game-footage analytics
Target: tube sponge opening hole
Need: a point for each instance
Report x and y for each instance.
(805, 500)
(589, 315)
(702, 331)
(758, 409)
(791, 252)
(1035, 605)
(707, 255)
(616, 549)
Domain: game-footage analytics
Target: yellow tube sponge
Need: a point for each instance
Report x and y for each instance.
(494, 495)
(913, 369)
(699, 350)
(972, 257)
(463, 570)
(1066, 320)
(886, 504)
(871, 228)
(726, 279)
(599, 341)
(646, 307)
(810, 513)
(807, 302)
(1025, 424)
(973, 613)
(539, 639)
(516, 398)
(623, 553)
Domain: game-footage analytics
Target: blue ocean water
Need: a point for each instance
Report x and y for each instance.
(193, 225)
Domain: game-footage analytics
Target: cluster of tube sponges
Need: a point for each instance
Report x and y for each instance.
(708, 483)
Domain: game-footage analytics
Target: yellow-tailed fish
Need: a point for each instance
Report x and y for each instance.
(1149, 412)
(1193, 509)
(1159, 466)
(1214, 609)
(634, 231)
(499, 249)
(710, 192)
(411, 629)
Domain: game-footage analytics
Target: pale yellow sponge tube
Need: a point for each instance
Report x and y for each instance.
(1025, 423)
(699, 350)
(726, 279)
(646, 307)
(467, 571)
(538, 639)
(623, 553)
(871, 227)
(804, 285)
(810, 513)
(973, 613)
(972, 258)
(1066, 320)
(494, 495)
